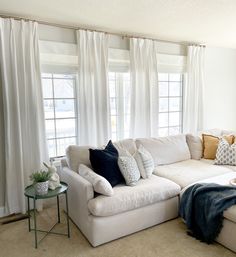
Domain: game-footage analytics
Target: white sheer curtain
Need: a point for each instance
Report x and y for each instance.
(94, 118)
(194, 90)
(144, 88)
(24, 132)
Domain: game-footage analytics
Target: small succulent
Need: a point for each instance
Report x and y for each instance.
(40, 176)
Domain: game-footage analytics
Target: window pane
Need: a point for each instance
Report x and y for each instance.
(113, 123)
(174, 119)
(174, 88)
(63, 88)
(65, 108)
(113, 106)
(163, 119)
(126, 134)
(46, 75)
(63, 143)
(65, 128)
(51, 148)
(175, 77)
(126, 122)
(112, 87)
(63, 76)
(162, 76)
(49, 109)
(50, 128)
(163, 88)
(174, 130)
(112, 76)
(47, 88)
(174, 104)
(163, 105)
(119, 86)
(113, 136)
(163, 132)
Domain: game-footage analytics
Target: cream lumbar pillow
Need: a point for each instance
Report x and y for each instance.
(210, 145)
(100, 184)
(226, 153)
(145, 162)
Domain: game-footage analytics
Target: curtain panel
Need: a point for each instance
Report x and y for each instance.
(24, 131)
(144, 88)
(194, 90)
(94, 117)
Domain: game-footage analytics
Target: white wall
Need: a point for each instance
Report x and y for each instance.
(220, 88)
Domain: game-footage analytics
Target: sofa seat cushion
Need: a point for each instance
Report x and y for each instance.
(232, 168)
(230, 214)
(125, 198)
(187, 172)
(220, 179)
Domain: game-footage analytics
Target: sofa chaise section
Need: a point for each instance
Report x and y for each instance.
(190, 171)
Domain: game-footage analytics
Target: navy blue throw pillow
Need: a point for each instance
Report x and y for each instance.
(105, 163)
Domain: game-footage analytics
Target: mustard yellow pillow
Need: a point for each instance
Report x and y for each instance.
(210, 144)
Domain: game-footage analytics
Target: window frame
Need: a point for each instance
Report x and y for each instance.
(119, 98)
(181, 101)
(52, 76)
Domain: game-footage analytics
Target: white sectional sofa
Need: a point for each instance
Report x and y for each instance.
(152, 201)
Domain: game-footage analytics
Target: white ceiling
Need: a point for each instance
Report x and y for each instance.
(212, 22)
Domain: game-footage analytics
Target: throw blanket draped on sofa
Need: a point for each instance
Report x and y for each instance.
(202, 206)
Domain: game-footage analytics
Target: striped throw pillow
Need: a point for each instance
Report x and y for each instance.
(145, 162)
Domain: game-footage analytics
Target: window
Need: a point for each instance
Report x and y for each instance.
(60, 111)
(119, 85)
(170, 103)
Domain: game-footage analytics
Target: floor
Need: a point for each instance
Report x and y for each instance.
(165, 240)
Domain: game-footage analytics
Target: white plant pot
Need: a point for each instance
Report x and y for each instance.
(41, 188)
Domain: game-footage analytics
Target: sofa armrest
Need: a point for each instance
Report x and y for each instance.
(80, 191)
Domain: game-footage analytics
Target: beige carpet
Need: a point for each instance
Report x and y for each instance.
(166, 240)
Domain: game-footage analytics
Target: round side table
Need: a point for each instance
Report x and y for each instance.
(30, 193)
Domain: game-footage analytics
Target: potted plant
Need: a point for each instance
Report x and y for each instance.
(40, 180)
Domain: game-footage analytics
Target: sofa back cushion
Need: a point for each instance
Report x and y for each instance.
(195, 146)
(76, 155)
(166, 150)
(127, 144)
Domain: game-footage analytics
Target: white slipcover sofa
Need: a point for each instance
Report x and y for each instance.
(152, 201)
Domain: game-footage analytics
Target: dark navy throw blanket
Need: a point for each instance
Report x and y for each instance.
(202, 206)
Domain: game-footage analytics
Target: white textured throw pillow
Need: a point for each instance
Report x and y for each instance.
(226, 153)
(100, 184)
(129, 169)
(145, 162)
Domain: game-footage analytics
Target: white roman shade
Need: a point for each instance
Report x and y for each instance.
(119, 60)
(171, 63)
(63, 57)
(58, 57)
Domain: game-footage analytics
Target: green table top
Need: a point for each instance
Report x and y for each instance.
(30, 191)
